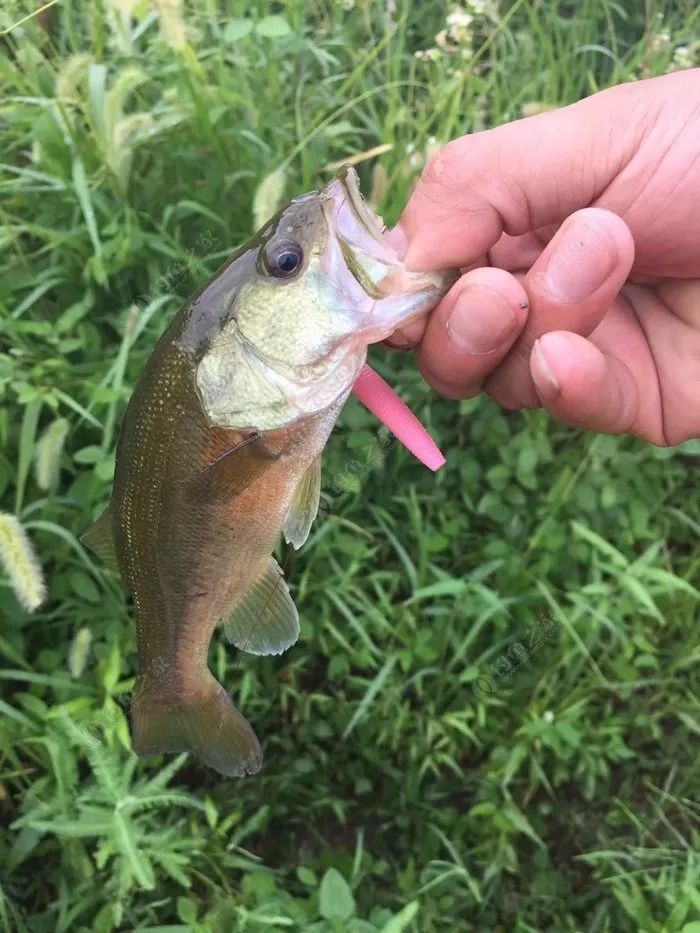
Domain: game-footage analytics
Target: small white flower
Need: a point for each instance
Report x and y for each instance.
(415, 161)
(432, 147)
(683, 57)
(459, 35)
(427, 55)
(548, 716)
(460, 18)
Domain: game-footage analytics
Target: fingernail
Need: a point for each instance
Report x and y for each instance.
(547, 383)
(474, 331)
(582, 261)
(397, 239)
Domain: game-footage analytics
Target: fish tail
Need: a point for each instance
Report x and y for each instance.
(203, 721)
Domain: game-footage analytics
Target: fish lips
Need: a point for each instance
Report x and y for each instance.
(396, 295)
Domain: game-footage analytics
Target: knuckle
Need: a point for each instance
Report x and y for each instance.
(443, 184)
(444, 168)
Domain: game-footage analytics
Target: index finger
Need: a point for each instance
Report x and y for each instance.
(515, 178)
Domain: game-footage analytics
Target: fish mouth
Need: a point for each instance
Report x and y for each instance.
(397, 295)
(370, 222)
(359, 230)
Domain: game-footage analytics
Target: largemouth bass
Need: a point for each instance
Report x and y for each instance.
(220, 451)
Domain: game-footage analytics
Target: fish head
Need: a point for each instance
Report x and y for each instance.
(288, 321)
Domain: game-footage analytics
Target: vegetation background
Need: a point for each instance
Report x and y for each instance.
(491, 719)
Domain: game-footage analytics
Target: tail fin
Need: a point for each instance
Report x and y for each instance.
(206, 723)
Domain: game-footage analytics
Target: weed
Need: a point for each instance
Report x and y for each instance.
(137, 138)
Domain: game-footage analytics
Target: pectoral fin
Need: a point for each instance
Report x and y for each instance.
(233, 472)
(303, 507)
(267, 621)
(100, 539)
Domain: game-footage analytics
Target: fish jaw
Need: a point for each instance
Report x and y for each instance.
(393, 295)
(241, 388)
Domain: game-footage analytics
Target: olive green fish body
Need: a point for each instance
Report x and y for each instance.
(220, 451)
(186, 560)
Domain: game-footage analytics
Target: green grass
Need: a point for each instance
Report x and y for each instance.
(414, 778)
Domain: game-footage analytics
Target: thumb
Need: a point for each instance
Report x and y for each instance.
(518, 177)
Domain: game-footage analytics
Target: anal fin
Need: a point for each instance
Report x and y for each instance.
(266, 621)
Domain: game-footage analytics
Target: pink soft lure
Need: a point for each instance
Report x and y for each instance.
(384, 403)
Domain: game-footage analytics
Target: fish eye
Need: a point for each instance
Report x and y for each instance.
(283, 259)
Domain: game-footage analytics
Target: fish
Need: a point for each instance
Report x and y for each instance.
(220, 451)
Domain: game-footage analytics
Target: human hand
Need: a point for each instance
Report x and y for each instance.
(579, 234)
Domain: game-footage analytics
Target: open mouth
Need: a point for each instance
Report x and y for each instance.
(360, 233)
(373, 224)
(353, 219)
(398, 295)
